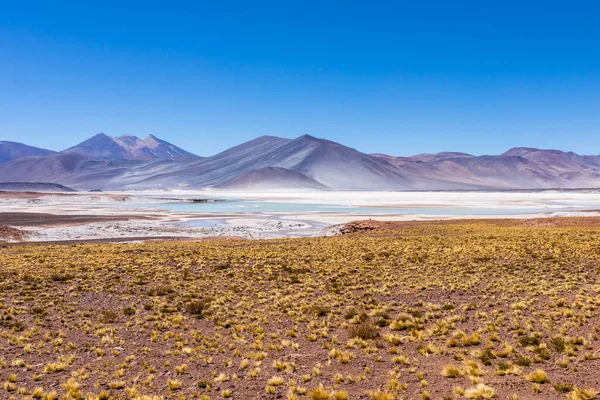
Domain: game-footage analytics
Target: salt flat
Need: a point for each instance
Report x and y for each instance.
(273, 214)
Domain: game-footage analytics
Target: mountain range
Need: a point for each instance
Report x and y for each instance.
(269, 162)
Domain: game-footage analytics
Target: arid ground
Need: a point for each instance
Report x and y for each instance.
(505, 309)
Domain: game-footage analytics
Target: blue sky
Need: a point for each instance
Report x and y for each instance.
(381, 76)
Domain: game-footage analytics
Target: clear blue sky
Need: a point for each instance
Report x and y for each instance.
(381, 76)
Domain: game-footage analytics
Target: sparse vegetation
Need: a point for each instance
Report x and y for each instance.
(474, 310)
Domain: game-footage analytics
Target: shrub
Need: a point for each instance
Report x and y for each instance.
(160, 290)
(203, 384)
(318, 393)
(563, 387)
(452, 371)
(558, 344)
(480, 391)
(365, 331)
(582, 394)
(350, 313)
(486, 356)
(321, 311)
(108, 316)
(174, 384)
(38, 311)
(532, 340)
(524, 361)
(538, 376)
(379, 395)
(198, 306)
(368, 257)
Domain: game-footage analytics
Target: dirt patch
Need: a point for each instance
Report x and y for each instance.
(44, 219)
(30, 195)
(8, 233)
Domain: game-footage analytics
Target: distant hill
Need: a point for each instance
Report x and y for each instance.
(269, 162)
(55, 168)
(12, 150)
(338, 166)
(270, 178)
(419, 158)
(102, 146)
(33, 187)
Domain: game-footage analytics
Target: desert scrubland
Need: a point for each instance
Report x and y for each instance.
(406, 310)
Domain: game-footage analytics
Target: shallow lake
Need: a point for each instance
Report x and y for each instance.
(249, 206)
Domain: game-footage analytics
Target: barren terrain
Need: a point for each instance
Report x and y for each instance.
(441, 310)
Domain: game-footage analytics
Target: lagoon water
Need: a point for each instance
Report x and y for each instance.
(425, 205)
(235, 206)
(295, 214)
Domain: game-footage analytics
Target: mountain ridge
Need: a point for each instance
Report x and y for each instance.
(127, 162)
(13, 150)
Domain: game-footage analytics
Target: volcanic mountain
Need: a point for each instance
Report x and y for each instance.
(102, 146)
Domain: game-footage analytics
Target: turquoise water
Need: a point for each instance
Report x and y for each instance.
(248, 206)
